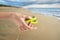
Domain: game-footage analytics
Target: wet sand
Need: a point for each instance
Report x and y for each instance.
(48, 27)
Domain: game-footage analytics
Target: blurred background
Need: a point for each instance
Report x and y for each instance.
(45, 7)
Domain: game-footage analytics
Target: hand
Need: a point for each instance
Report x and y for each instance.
(20, 21)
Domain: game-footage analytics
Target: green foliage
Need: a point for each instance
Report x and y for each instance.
(2, 5)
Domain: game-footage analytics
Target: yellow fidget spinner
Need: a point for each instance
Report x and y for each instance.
(33, 20)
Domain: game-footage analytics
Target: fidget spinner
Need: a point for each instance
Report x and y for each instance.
(33, 20)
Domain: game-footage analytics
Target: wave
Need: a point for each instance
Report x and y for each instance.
(46, 11)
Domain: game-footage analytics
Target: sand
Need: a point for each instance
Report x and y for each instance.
(48, 27)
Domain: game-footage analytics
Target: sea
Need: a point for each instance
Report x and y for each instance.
(46, 11)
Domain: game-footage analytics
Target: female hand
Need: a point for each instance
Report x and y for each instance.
(19, 20)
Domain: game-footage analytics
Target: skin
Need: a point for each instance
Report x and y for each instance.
(18, 19)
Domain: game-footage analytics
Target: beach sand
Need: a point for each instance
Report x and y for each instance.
(48, 27)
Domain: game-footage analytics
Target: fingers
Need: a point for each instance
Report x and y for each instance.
(25, 28)
(26, 17)
(30, 24)
(22, 28)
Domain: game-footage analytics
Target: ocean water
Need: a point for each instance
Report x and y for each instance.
(46, 11)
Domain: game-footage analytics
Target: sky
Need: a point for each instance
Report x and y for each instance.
(32, 0)
(42, 6)
(35, 0)
(27, 3)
